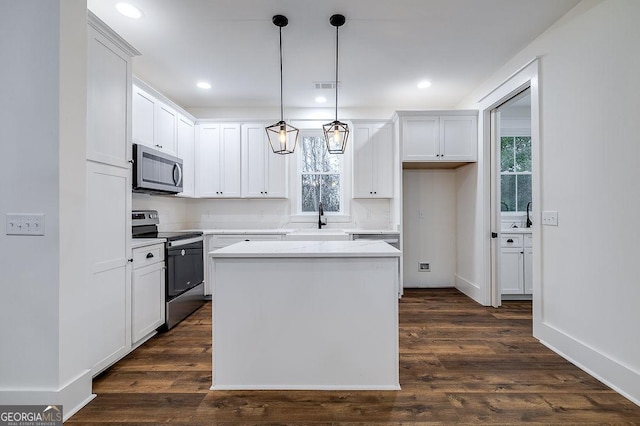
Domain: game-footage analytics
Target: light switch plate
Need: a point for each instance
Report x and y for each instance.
(550, 218)
(25, 224)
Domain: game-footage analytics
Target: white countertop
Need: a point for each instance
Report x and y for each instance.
(302, 249)
(284, 231)
(143, 242)
(516, 231)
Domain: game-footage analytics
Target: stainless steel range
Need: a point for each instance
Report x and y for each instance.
(184, 265)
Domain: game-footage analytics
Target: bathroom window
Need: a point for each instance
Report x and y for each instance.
(320, 175)
(515, 173)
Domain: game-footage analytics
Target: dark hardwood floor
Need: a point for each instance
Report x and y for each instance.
(460, 363)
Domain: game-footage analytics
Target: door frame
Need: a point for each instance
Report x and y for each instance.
(526, 76)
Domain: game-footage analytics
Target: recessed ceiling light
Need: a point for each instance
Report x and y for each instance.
(321, 99)
(424, 84)
(203, 85)
(129, 10)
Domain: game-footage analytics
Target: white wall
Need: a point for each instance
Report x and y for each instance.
(42, 129)
(586, 288)
(429, 227)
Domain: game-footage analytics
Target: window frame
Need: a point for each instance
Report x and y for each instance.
(514, 134)
(314, 128)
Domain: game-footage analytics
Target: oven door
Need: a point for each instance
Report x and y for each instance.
(185, 266)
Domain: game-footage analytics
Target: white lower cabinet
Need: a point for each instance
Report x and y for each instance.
(147, 292)
(516, 264)
(218, 241)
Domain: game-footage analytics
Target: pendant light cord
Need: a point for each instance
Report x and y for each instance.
(337, 27)
(281, 98)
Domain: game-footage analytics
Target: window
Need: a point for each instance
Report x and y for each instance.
(515, 173)
(320, 175)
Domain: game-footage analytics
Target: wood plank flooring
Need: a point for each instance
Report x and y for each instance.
(460, 363)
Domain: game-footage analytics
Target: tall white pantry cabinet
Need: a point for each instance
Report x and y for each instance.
(108, 193)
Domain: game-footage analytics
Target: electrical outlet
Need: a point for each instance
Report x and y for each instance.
(424, 267)
(25, 224)
(550, 218)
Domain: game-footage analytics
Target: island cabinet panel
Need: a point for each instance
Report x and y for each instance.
(264, 173)
(218, 160)
(438, 137)
(373, 160)
(317, 315)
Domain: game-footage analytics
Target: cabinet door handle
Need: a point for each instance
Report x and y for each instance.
(510, 240)
(149, 255)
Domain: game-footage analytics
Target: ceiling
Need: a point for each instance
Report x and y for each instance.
(386, 47)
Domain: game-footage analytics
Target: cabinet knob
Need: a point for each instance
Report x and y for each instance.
(130, 260)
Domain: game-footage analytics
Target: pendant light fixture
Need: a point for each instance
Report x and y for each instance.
(282, 136)
(336, 133)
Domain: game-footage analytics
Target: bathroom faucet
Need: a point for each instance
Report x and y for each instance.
(321, 219)
(529, 223)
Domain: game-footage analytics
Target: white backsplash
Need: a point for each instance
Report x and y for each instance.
(183, 213)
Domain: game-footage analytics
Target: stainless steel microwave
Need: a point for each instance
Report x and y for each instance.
(156, 172)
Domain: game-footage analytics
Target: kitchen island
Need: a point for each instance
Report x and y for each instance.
(317, 315)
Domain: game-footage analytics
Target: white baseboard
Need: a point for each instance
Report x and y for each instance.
(72, 396)
(612, 373)
(469, 288)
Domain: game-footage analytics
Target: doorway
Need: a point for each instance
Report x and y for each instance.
(511, 196)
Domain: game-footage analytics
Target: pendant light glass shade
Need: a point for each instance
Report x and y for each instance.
(336, 133)
(282, 136)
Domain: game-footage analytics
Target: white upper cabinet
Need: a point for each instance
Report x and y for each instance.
(108, 100)
(264, 173)
(373, 160)
(186, 151)
(439, 136)
(218, 160)
(155, 124)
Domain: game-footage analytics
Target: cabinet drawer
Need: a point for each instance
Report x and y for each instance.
(528, 240)
(148, 255)
(511, 240)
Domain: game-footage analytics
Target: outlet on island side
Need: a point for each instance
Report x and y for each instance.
(424, 267)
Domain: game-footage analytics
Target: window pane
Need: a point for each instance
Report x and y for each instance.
(330, 193)
(311, 156)
(506, 154)
(316, 158)
(310, 193)
(524, 192)
(523, 153)
(508, 193)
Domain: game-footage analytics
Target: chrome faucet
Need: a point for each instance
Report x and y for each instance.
(529, 223)
(321, 219)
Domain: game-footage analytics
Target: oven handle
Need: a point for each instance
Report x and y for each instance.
(178, 243)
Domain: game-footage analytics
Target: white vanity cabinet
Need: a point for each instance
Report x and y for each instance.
(218, 241)
(264, 173)
(439, 136)
(218, 160)
(373, 160)
(516, 264)
(147, 292)
(155, 123)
